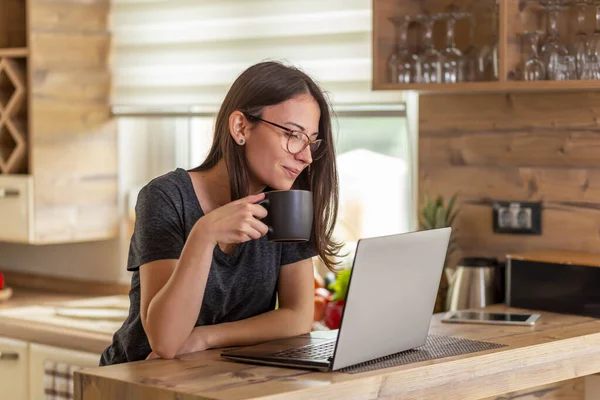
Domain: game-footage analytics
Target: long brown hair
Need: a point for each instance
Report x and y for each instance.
(265, 84)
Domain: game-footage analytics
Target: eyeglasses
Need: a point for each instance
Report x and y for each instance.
(298, 141)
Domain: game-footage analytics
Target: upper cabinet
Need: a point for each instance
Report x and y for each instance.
(58, 140)
(486, 45)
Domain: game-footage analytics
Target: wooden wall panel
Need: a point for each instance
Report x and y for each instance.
(71, 86)
(88, 16)
(462, 113)
(74, 147)
(56, 120)
(570, 227)
(534, 147)
(514, 183)
(524, 147)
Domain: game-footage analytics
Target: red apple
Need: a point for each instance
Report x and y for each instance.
(1, 281)
(333, 314)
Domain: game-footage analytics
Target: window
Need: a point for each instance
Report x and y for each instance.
(374, 168)
(373, 148)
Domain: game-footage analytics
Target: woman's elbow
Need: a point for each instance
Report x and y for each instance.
(162, 344)
(162, 347)
(165, 352)
(306, 328)
(304, 324)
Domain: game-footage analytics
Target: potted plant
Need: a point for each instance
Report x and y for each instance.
(435, 214)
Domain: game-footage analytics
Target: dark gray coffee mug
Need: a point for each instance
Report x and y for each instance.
(290, 215)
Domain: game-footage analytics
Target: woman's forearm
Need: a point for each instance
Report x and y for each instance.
(276, 324)
(174, 310)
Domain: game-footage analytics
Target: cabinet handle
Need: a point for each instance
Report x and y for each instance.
(9, 356)
(9, 193)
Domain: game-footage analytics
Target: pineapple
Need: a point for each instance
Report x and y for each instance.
(435, 214)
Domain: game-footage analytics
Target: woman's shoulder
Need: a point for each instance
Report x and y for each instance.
(174, 186)
(173, 183)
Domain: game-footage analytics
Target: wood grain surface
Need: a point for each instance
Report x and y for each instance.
(558, 348)
(515, 147)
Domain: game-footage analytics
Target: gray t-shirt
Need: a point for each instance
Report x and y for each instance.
(239, 286)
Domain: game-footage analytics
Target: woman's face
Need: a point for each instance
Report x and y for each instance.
(269, 162)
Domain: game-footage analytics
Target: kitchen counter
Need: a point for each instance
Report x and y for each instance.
(557, 348)
(25, 297)
(48, 334)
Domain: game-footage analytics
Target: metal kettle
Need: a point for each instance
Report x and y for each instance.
(473, 284)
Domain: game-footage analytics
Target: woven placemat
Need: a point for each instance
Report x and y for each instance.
(435, 348)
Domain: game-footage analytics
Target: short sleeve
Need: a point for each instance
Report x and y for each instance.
(159, 233)
(294, 252)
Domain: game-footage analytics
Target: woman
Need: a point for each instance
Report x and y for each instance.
(204, 274)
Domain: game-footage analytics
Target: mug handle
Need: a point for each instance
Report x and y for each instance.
(265, 203)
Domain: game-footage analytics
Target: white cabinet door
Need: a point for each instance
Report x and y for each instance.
(14, 356)
(40, 354)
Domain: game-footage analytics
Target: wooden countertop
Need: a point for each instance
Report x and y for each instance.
(49, 334)
(557, 348)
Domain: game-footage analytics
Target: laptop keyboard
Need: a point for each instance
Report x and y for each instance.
(321, 351)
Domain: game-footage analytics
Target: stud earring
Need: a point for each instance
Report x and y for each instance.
(241, 141)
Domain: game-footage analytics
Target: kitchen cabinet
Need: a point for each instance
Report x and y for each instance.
(58, 141)
(23, 364)
(39, 355)
(14, 358)
(484, 31)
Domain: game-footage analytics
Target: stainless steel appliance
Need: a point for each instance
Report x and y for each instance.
(473, 284)
(554, 280)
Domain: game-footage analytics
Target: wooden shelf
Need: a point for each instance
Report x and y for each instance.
(490, 87)
(14, 52)
(512, 18)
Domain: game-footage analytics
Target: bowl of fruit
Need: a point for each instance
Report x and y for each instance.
(5, 291)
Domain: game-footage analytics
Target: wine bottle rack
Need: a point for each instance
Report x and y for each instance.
(13, 115)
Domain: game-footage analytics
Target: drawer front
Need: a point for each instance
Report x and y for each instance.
(14, 377)
(16, 205)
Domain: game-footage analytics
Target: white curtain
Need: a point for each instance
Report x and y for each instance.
(181, 52)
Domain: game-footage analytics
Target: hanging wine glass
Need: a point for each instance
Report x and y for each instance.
(594, 48)
(429, 58)
(592, 67)
(552, 48)
(487, 57)
(533, 69)
(581, 42)
(493, 64)
(403, 66)
(474, 67)
(567, 68)
(451, 57)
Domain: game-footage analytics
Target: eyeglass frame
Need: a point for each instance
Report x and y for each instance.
(290, 131)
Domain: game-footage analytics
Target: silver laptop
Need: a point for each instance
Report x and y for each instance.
(388, 308)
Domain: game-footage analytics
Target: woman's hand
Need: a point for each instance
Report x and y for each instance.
(235, 222)
(195, 342)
